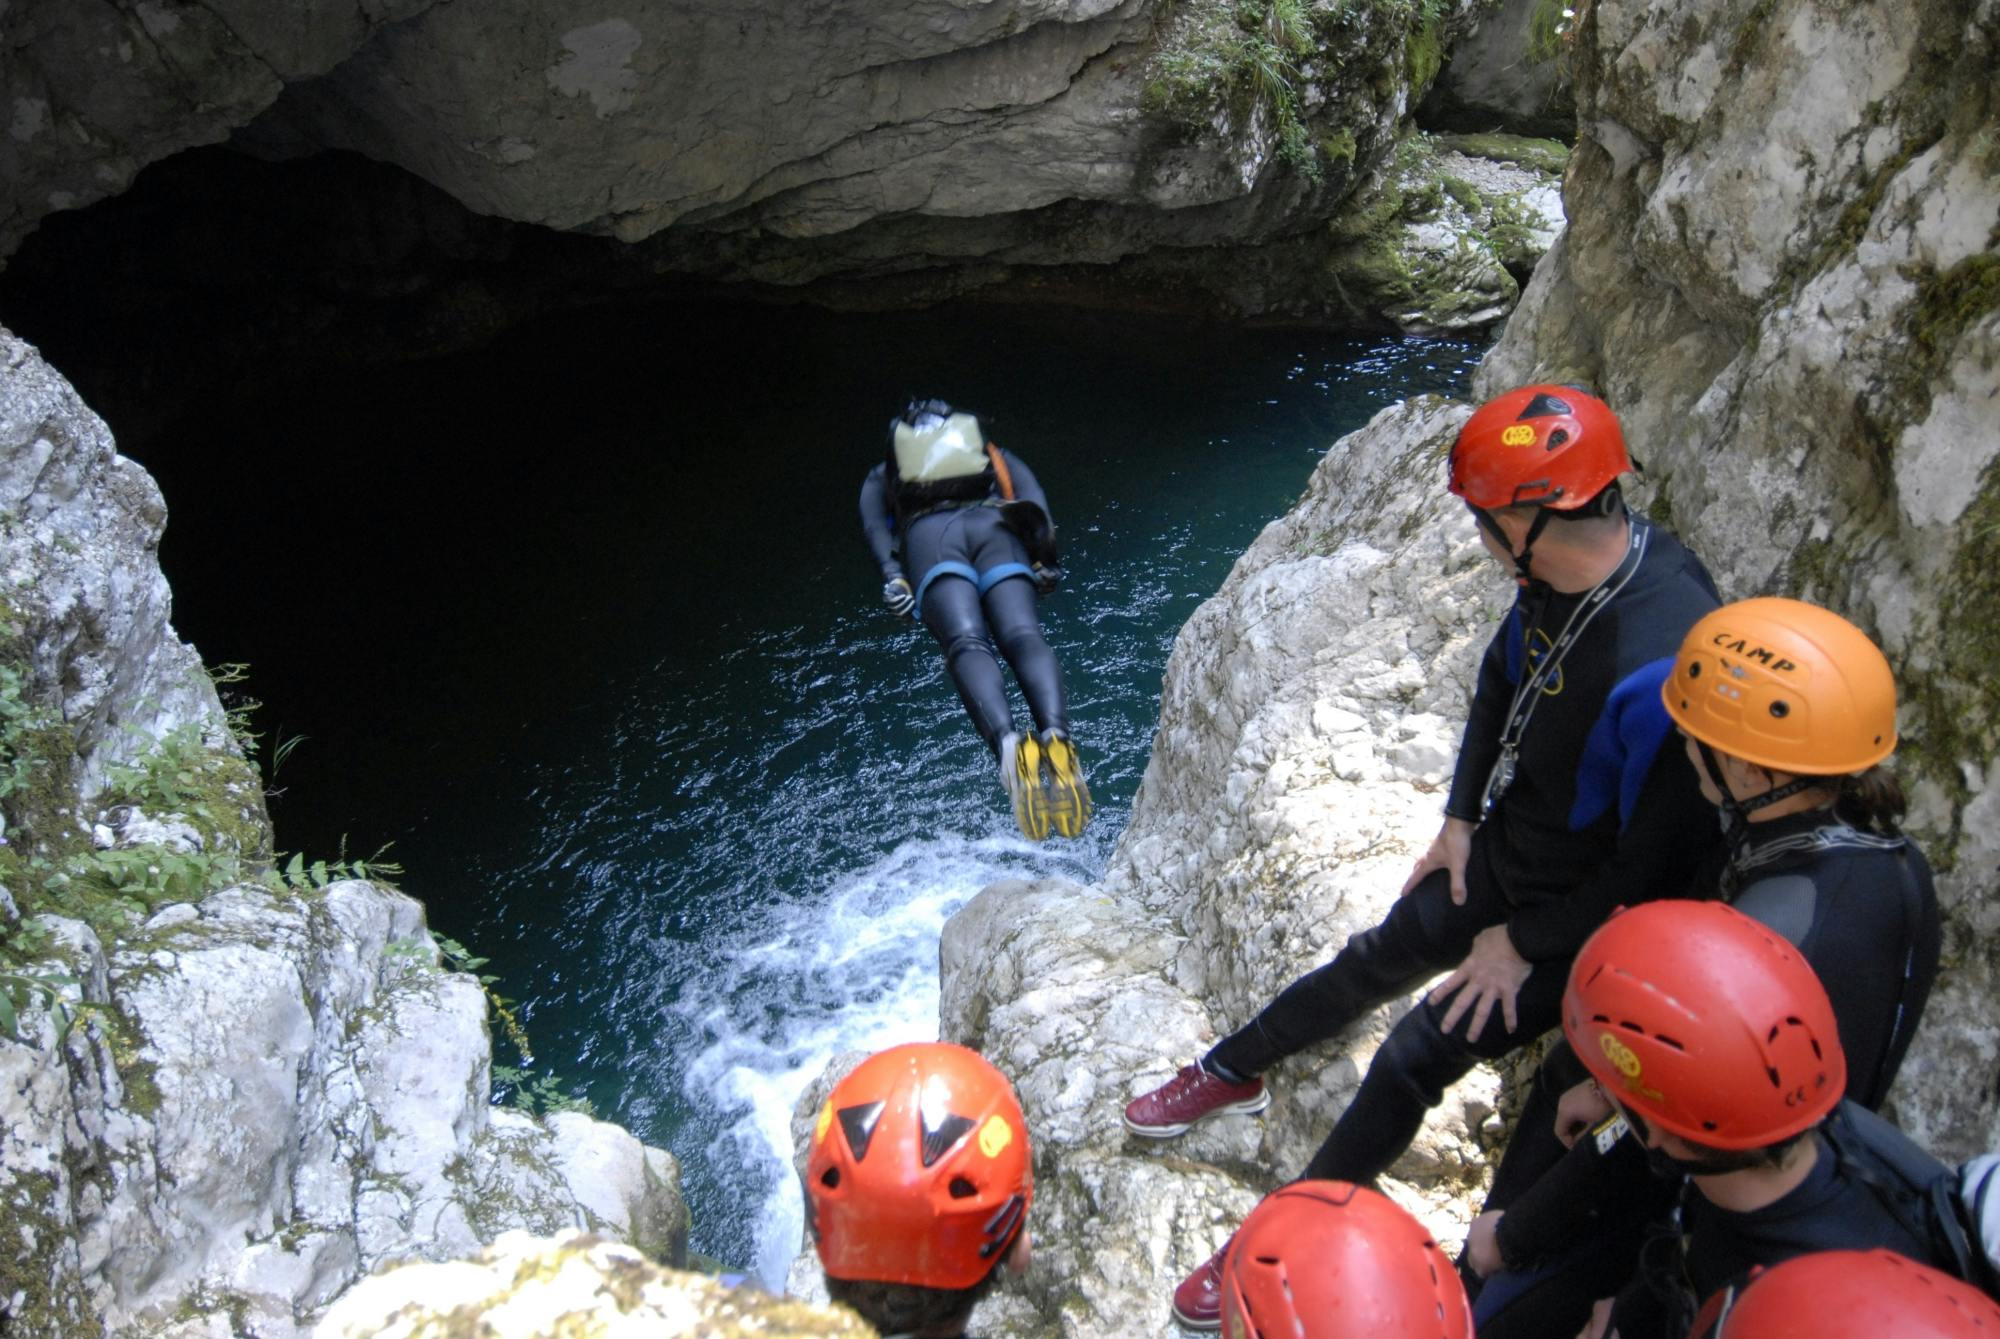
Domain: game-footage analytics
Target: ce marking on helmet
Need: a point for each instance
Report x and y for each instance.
(1797, 1097)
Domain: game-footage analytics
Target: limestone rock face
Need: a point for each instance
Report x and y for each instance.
(276, 1094)
(80, 578)
(1509, 72)
(97, 89)
(1187, 154)
(1781, 269)
(523, 1287)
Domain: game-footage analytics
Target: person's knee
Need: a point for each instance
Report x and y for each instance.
(1422, 1057)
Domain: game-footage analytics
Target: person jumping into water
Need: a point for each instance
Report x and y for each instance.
(961, 532)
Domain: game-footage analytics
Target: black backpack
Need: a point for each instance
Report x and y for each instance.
(1956, 1210)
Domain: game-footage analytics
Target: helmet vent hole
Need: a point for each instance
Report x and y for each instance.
(962, 1189)
(1557, 439)
(1665, 1040)
(1694, 670)
(1710, 1125)
(830, 1178)
(1781, 709)
(1270, 1260)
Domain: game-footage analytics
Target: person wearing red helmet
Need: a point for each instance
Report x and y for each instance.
(1718, 1045)
(1849, 1295)
(1788, 712)
(1330, 1260)
(1567, 799)
(917, 1187)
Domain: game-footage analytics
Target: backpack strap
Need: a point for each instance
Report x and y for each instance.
(1001, 473)
(1924, 1203)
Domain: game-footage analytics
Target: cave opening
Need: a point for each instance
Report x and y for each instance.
(552, 564)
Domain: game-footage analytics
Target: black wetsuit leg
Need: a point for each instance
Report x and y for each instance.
(952, 613)
(1416, 1064)
(1424, 933)
(1010, 612)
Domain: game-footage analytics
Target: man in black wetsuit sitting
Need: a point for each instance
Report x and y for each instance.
(1789, 714)
(961, 532)
(917, 1188)
(1569, 797)
(1719, 1048)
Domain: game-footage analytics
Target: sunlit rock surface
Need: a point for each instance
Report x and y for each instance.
(575, 1286)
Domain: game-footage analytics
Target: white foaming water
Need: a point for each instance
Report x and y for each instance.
(852, 967)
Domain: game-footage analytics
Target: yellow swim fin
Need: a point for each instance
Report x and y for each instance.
(1068, 802)
(1021, 773)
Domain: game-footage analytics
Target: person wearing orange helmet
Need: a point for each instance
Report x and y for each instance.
(1568, 798)
(1330, 1260)
(917, 1187)
(1789, 715)
(1717, 1044)
(1849, 1295)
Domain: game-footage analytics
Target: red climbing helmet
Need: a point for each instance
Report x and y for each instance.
(919, 1171)
(1706, 1023)
(1849, 1295)
(1544, 446)
(1329, 1260)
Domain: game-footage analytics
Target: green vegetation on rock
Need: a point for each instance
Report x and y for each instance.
(1221, 63)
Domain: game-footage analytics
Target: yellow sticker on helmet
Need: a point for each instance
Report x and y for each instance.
(994, 1136)
(1520, 434)
(1619, 1054)
(825, 1121)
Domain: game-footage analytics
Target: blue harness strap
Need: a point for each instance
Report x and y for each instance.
(983, 581)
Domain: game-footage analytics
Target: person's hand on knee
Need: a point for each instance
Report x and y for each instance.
(1449, 850)
(1491, 974)
(1482, 1244)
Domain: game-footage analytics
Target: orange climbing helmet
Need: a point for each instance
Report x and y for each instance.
(1705, 1023)
(1544, 446)
(1849, 1295)
(1785, 685)
(1329, 1260)
(919, 1171)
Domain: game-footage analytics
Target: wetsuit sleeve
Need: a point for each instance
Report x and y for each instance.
(1665, 826)
(878, 527)
(1026, 487)
(1601, 1177)
(1479, 747)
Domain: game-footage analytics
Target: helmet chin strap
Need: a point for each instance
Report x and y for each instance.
(1736, 813)
(1543, 516)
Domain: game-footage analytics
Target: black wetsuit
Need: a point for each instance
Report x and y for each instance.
(1833, 1209)
(1603, 810)
(1862, 910)
(975, 592)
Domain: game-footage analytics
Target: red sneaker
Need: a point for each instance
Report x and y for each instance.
(1198, 1301)
(1191, 1095)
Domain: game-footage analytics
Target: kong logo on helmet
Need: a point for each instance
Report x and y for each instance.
(1518, 435)
(1620, 1055)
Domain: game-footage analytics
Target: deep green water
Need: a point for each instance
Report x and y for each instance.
(583, 624)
